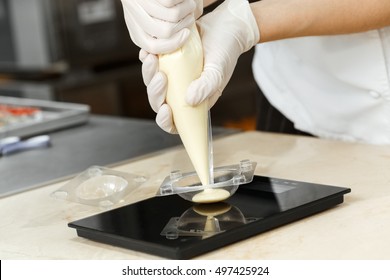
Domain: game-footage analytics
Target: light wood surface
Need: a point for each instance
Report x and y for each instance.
(33, 225)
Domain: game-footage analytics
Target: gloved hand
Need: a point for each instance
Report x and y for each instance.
(160, 26)
(156, 85)
(226, 33)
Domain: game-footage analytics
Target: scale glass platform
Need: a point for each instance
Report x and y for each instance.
(174, 228)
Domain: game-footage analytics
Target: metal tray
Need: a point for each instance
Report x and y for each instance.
(55, 115)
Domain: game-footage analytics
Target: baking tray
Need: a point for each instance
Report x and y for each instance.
(55, 115)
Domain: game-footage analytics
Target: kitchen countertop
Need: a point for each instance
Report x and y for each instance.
(34, 224)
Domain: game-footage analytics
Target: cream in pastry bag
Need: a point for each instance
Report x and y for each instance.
(181, 68)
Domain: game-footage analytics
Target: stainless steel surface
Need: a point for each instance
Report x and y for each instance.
(32, 30)
(51, 36)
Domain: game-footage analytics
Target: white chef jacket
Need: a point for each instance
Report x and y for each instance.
(331, 86)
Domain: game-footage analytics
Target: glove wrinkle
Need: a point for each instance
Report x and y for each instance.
(149, 69)
(158, 84)
(157, 28)
(164, 119)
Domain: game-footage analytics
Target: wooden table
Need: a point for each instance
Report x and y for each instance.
(33, 225)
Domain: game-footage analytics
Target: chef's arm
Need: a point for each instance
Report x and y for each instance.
(208, 2)
(281, 19)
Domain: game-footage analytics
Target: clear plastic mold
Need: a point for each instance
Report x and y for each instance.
(205, 220)
(99, 186)
(226, 181)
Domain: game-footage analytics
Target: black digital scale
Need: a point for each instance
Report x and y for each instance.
(174, 228)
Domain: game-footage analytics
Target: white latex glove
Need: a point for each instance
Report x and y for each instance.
(160, 26)
(226, 33)
(156, 85)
